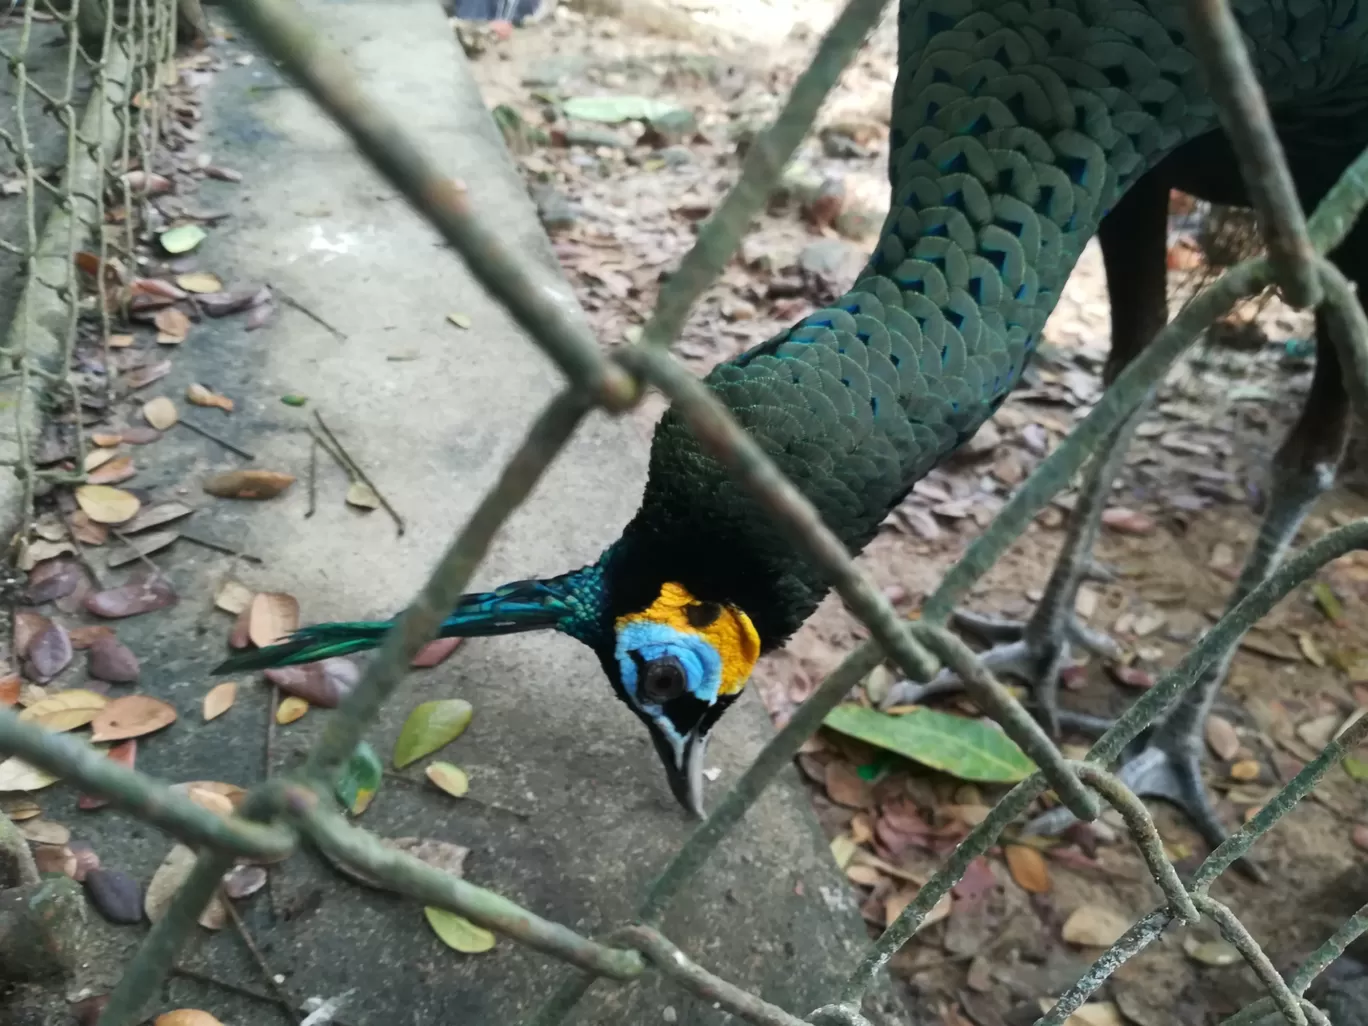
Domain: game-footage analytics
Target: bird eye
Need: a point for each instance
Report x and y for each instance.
(663, 680)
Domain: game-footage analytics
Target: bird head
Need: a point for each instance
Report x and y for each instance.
(678, 664)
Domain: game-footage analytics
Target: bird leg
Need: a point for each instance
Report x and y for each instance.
(1133, 237)
(1168, 762)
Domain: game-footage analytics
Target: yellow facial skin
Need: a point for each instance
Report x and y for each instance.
(731, 633)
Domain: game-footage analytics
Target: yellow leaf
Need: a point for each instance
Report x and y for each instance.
(291, 709)
(201, 396)
(172, 326)
(451, 779)
(186, 1017)
(201, 282)
(842, 849)
(65, 710)
(17, 775)
(220, 699)
(160, 413)
(460, 320)
(362, 495)
(274, 616)
(119, 341)
(233, 597)
(96, 458)
(457, 932)
(1028, 868)
(106, 504)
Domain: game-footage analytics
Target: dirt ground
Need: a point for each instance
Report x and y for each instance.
(622, 206)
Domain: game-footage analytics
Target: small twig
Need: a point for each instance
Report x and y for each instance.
(313, 476)
(143, 557)
(285, 997)
(355, 468)
(227, 550)
(239, 989)
(205, 432)
(291, 301)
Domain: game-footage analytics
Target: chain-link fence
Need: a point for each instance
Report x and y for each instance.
(276, 816)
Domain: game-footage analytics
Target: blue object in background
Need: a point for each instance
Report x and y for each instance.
(494, 10)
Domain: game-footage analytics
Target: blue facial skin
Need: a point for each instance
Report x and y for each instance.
(701, 662)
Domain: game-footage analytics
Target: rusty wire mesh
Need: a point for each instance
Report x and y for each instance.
(275, 816)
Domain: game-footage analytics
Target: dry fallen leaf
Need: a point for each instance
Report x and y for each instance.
(45, 831)
(172, 326)
(1245, 770)
(290, 709)
(220, 699)
(1094, 926)
(9, 689)
(49, 653)
(1221, 737)
(98, 457)
(66, 710)
(17, 775)
(166, 881)
(139, 548)
(451, 779)
(896, 902)
(112, 471)
(125, 753)
(160, 412)
(435, 652)
(155, 516)
(844, 785)
(186, 1017)
(199, 282)
(248, 484)
(1028, 868)
(233, 597)
(274, 616)
(131, 716)
(106, 505)
(120, 341)
(201, 396)
(138, 596)
(362, 496)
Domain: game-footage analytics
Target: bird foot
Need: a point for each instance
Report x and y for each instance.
(1168, 770)
(1014, 653)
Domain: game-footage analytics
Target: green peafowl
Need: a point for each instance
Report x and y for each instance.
(1016, 126)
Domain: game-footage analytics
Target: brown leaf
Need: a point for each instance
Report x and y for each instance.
(273, 617)
(131, 716)
(233, 597)
(1028, 868)
(119, 341)
(1128, 521)
(324, 683)
(112, 660)
(144, 376)
(165, 882)
(120, 468)
(248, 484)
(243, 881)
(106, 505)
(845, 787)
(172, 325)
(1360, 836)
(147, 183)
(261, 313)
(84, 637)
(55, 858)
(1094, 926)
(220, 699)
(27, 626)
(160, 412)
(1131, 676)
(142, 595)
(52, 579)
(139, 434)
(9, 689)
(125, 753)
(188, 1016)
(238, 638)
(201, 396)
(141, 547)
(435, 652)
(49, 653)
(1221, 737)
(221, 304)
(45, 831)
(85, 530)
(106, 438)
(155, 516)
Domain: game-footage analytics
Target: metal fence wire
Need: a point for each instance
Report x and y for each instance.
(120, 61)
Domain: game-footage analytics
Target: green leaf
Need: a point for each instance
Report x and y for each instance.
(1356, 767)
(429, 727)
(614, 109)
(1329, 603)
(293, 399)
(964, 748)
(360, 779)
(451, 779)
(182, 239)
(457, 932)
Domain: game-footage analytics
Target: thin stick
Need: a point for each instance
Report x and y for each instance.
(227, 550)
(143, 557)
(355, 468)
(313, 476)
(215, 438)
(239, 989)
(290, 301)
(245, 935)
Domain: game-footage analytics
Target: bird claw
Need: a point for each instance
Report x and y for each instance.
(1173, 773)
(1014, 654)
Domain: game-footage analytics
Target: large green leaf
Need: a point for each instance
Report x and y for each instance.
(429, 727)
(614, 109)
(964, 748)
(457, 932)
